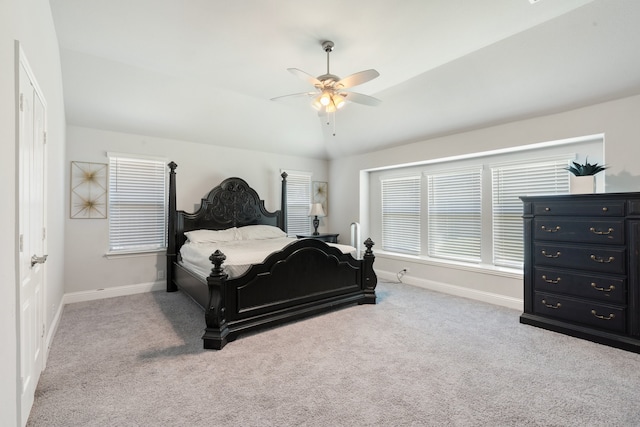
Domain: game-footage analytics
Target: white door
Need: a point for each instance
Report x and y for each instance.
(31, 240)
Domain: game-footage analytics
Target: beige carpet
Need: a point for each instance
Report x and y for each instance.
(416, 358)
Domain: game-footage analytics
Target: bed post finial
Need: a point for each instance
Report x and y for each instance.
(171, 229)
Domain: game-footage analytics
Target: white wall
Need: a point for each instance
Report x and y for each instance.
(617, 120)
(200, 168)
(30, 22)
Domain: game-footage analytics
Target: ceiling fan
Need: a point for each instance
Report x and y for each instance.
(330, 92)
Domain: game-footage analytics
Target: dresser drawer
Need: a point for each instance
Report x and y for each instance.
(580, 208)
(588, 230)
(607, 289)
(584, 257)
(602, 316)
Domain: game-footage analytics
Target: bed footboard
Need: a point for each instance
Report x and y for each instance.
(307, 277)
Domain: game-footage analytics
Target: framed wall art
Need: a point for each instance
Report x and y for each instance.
(321, 195)
(88, 190)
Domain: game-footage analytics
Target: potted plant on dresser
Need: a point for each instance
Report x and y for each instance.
(583, 176)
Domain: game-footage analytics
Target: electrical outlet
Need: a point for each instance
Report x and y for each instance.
(160, 274)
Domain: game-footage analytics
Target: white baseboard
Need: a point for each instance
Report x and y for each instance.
(117, 291)
(51, 333)
(460, 291)
(91, 296)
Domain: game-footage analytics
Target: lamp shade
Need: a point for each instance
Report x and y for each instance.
(316, 210)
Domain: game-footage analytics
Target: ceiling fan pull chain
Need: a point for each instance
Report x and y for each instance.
(334, 123)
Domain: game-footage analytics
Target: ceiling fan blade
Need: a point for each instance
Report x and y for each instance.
(305, 76)
(361, 99)
(356, 79)
(308, 94)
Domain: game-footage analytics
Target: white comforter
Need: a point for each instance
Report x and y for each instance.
(241, 254)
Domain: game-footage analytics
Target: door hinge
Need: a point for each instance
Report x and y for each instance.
(44, 137)
(21, 242)
(44, 233)
(21, 102)
(43, 330)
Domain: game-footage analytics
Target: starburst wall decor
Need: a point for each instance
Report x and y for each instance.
(320, 195)
(88, 190)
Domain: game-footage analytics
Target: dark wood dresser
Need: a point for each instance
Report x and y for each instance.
(581, 269)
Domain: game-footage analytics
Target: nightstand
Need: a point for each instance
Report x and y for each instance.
(325, 237)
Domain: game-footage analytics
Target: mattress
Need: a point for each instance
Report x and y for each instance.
(241, 254)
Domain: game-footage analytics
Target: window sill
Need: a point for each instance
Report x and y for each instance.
(513, 273)
(130, 254)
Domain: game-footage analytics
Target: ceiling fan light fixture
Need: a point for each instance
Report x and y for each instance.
(331, 92)
(325, 98)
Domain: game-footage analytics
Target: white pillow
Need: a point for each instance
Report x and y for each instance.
(212, 236)
(259, 232)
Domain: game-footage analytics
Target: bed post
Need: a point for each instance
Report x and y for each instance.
(369, 276)
(215, 334)
(171, 227)
(283, 204)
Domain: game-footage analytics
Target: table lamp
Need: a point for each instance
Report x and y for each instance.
(316, 211)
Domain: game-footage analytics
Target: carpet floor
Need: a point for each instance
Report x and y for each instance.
(417, 358)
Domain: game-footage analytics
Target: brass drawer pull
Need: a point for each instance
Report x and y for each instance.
(547, 209)
(557, 255)
(551, 230)
(594, 231)
(555, 282)
(558, 305)
(602, 260)
(609, 317)
(597, 288)
(605, 209)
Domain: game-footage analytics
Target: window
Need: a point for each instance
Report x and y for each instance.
(401, 214)
(509, 182)
(137, 204)
(454, 215)
(466, 209)
(298, 202)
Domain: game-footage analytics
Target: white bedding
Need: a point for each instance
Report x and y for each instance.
(241, 254)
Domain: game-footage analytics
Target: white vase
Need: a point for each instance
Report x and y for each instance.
(583, 184)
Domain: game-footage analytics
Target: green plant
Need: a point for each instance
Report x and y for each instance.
(585, 169)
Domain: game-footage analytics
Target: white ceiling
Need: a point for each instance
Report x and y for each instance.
(205, 70)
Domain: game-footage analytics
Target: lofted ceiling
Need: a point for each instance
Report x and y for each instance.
(205, 70)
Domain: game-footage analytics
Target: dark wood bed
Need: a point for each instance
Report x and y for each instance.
(305, 278)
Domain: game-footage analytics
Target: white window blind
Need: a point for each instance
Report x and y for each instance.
(509, 182)
(401, 214)
(298, 202)
(455, 215)
(137, 204)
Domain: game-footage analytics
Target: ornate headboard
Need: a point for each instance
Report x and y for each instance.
(232, 203)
